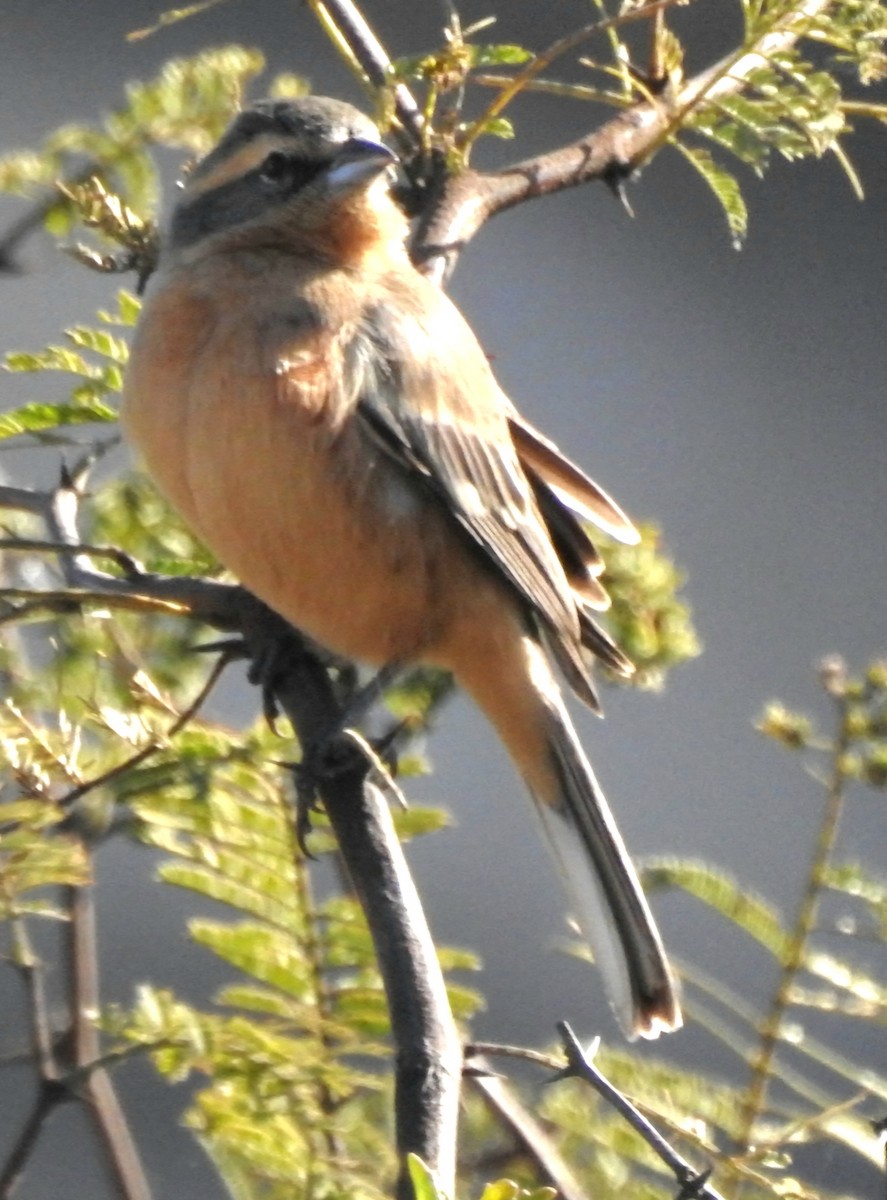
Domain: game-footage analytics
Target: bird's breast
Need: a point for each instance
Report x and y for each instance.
(237, 424)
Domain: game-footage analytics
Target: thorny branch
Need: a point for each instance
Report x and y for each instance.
(692, 1184)
(454, 206)
(70, 1067)
(96, 1089)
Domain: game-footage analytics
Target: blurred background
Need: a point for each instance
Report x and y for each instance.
(736, 399)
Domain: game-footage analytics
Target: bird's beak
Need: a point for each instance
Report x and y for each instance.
(358, 163)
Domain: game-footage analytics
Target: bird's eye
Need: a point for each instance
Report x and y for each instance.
(288, 172)
(276, 167)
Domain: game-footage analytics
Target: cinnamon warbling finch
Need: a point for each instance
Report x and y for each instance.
(326, 421)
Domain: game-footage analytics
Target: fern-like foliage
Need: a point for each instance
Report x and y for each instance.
(292, 1054)
(287, 1105)
(95, 357)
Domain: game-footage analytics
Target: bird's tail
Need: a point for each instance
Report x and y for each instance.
(603, 885)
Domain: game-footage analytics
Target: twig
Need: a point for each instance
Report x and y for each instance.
(49, 1097)
(31, 220)
(558, 49)
(497, 1049)
(371, 57)
(135, 760)
(98, 1091)
(796, 949)
(30, 968)
(529, 1135)
(692, 1183)
(123, 560)
(458, 208)
(219, 604)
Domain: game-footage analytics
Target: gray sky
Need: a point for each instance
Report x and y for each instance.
(734, 398)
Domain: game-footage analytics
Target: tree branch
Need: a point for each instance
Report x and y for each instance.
(353, 33)
(96, 1088)
(693, 1184)
(529, 1135)
(462, 203)
(428, 1054)
(49, 1097)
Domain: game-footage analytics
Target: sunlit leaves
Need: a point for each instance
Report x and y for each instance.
(186, 106)
(648, 620)
(725, 187)
(94, 356)
(729, 898)
(107, 172)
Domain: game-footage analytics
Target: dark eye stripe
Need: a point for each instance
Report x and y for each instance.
(241, 200)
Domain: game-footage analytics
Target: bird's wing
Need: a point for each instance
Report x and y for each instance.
(427, 397)
(570, 483)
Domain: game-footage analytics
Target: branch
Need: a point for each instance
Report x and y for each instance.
(50, 1092)
(77, 793)
(693, 1184)
(351, 33)
(30, 967)
(219, 604)
(87, 1079)
(428, 1056)
(462, 204)
(529, 1135)
(49, 1097)
(97, 1089)
(34, 217)
(833, 676)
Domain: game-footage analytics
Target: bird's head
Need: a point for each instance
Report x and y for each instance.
(306, 175)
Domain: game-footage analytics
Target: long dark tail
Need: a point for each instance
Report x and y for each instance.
(611, 907)
(524, 702)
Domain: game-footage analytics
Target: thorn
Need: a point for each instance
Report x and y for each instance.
(693, 1185)
(234, 647)
(615, 177)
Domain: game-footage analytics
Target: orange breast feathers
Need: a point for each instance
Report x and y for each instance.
(248, 421)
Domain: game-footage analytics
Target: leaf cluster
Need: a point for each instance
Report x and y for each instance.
(287, 1054)
(783, 90)
(648, 619)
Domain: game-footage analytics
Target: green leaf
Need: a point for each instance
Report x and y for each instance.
(100, 341)
(37, 418)
(725, 187)
(424, 1184)
(53, 358)
(128, 309)
(499, 127)
(716, 889)
(256, 999)
(499, 56)
(502, 1189)
(862, 986)
(265, 954)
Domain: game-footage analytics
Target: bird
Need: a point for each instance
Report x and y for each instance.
(324, 418)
